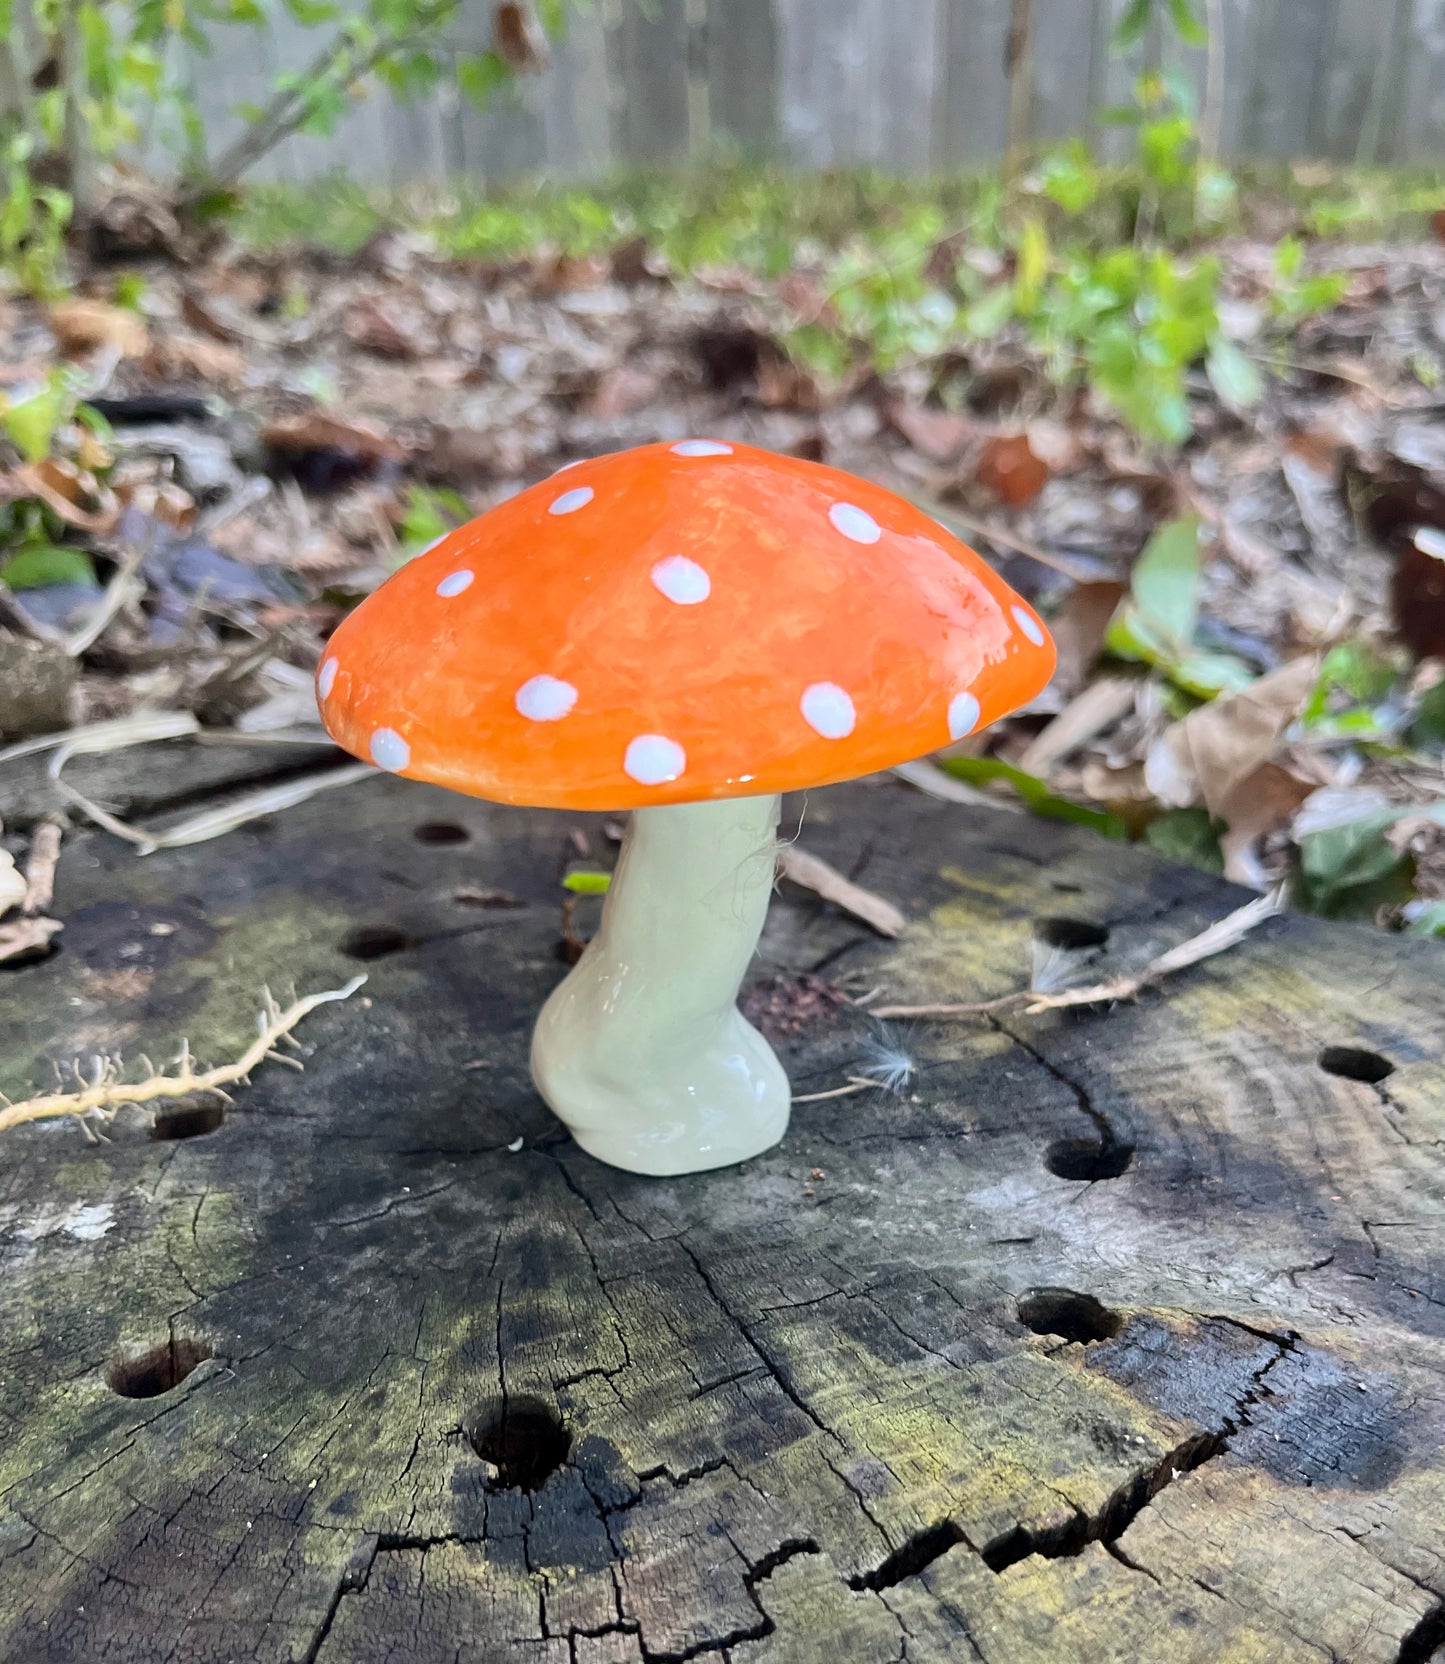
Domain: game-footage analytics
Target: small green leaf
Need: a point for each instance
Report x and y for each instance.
(479, 77)
(1133, 24)
(1345, 868)
(587, 883)
(1207, 675)
(1428, 729)
(988, 315)
(1165, 582)
(1189, 25)
(1234, 377)
(980, 771)
(31, 423)
(1188, 836)
(43, 565)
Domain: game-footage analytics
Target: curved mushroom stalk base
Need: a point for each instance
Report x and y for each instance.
(642, 1051)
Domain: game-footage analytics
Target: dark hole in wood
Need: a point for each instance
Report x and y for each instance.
(1354, 1063)
(28, 960)
(165, 1365)
(1071, 1316)
(523, 1439)
(1072, 935)
(189, 1120)
(1065, 889)
(1085, 1159)
(376, 941)
(441, 832)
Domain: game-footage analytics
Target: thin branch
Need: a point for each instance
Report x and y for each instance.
(106, 1093)
(950, 516)
(289, 108)
(123, 587)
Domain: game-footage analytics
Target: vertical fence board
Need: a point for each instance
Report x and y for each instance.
(648, 56)
(903, 71)
(824, 85)
(1062, 69)
(741, 55)
(1356, 47)
(971, 95)
(905, 85)
(1421, 133)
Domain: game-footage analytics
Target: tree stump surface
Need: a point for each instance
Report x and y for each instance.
(1114, 1335)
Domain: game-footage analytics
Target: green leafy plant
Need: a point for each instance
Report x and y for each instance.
(1034, 794)
(428, 514)
(33, 218)
(119, 80)
(1155, 624)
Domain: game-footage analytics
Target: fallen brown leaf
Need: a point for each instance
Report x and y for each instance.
(517, 39)
(1078, 630)
(12, 884)
(937, 434)
(205, 317)
(1090, 713)
(1008, 467)
(64, 489)
(196, 355)
(573, 271)
(1417, 593)
(1205, 757)
(620, 391)
(314, 430)
(375, 327)
(1263, 802)
(81, 326)
(24, 938)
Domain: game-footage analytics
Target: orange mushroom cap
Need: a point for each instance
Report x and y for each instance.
(676, 623)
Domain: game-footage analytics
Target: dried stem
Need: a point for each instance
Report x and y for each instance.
(1218, 938)
(106, 1093)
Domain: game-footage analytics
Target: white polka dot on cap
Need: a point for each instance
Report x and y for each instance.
(545, 699)
(681, 580)
(455, 582)
(702, 447)
(654, 760)
(389, 750)
(1029, 625)
(828, 710)
(963, 715)
(570, 501)
(855, 523)
(327, 679)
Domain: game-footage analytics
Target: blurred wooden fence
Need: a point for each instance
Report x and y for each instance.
(904, 85)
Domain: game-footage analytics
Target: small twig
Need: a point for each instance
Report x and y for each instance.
(1077, 570)
(1218, 938)
(40, 868)
(209, 823)
(122, 588)
(811, 872)
(856, 1084)
(106, 1094)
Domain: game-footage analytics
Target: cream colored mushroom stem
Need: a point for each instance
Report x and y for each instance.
(642, 1051)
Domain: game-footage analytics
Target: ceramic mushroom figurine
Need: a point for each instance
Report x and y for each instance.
(686, 631)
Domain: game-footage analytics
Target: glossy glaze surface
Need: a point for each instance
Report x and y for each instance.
(642, 1051)
(677, 623)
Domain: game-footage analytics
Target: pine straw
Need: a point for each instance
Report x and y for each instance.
(106, 1092)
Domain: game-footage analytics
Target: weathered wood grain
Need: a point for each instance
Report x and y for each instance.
(897, 1390)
